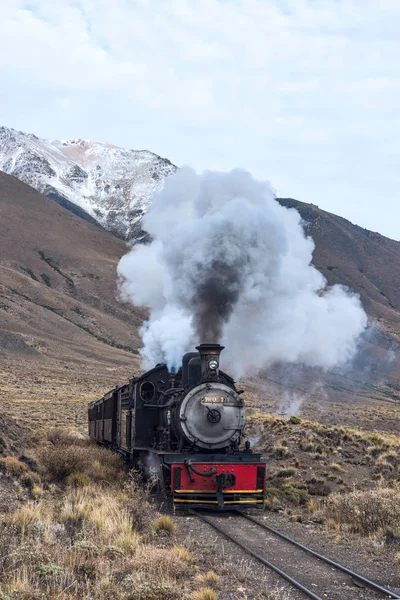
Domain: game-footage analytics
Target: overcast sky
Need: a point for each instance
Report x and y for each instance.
(303, 93)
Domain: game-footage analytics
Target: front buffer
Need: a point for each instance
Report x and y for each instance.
(220, 482)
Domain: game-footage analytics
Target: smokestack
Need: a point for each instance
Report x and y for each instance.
(209, 355)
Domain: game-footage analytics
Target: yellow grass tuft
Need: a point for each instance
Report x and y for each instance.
(37, 491)
(85, 543)
(164, 523)
(183, 554)
(210, 579)
(29, 517)
(205, 593)
(128, 541)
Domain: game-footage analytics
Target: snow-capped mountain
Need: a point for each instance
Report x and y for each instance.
(101, 182)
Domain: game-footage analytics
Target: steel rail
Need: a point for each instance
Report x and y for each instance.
(270, 565)
(329, 561)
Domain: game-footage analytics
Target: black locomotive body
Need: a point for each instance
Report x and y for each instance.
(187, 427)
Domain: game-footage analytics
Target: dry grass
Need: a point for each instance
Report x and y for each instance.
(336, 468)
(344, 477)
(163, 523)
(205, 593)
(83, 537)
(184, 554)
(12, 466)
(73, 456)
(365, 512)
(210, 579)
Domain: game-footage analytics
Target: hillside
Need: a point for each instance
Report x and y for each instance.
(105, 185)
(63, 333)
(65, 336)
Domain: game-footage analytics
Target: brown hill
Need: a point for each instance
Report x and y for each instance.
(58, 280)
(63, 333)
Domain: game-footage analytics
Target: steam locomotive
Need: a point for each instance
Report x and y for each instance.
(188, 425)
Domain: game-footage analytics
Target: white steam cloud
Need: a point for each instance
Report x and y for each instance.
(228, 264)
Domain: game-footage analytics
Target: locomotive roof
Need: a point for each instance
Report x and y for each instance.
(146, 375)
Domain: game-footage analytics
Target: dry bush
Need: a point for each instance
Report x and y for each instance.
(294, 420)
(281, 452)
(29, 517)
(158, 563)
(154, 590)
(12, 466)
(365, 512)
(79, 460)
(85, 541)
(62, 461)
(99, 512)
(284, 473)
(59, 436)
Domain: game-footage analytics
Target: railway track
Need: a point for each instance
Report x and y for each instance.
(297, 564)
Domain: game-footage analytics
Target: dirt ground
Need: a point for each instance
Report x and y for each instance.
(244, 578)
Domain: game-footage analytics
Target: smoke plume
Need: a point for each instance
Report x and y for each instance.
(228, 264)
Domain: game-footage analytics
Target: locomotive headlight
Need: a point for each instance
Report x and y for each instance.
(213, 365)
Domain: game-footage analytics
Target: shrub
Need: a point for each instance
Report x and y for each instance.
(289, 472)
(281, 452)
(63, 460)
(60, 436)
(30, 480)
(29, 461)
(13, 466)
(286, 494)
(295, 420)
(154, 591)
(158, 563)
(79, 461)
(319, 488)
(365, 512)
(336, 468)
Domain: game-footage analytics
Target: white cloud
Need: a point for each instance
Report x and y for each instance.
(304, 93)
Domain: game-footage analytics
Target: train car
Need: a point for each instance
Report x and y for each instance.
(188, 427)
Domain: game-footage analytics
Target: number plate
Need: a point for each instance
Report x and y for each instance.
(212, 400)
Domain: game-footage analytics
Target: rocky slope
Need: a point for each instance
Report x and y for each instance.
(100, 182)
